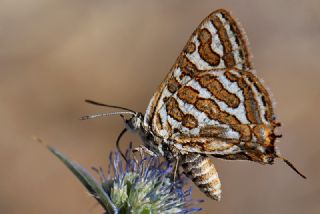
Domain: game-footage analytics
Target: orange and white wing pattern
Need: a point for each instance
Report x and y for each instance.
(218, 110)
(210, 71)
(212, 103)
(217, 43)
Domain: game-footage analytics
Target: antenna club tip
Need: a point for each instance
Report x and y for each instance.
(303, 176)
(293, 167)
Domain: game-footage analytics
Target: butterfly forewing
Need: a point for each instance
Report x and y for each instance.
(217, 43)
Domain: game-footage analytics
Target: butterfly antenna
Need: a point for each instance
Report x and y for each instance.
(92, 116)
(118, 141)
(292, 167)
(109, 106)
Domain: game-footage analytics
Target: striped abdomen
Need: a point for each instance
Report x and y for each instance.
(201, 170)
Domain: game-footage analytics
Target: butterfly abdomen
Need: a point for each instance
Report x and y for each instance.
(201, 170)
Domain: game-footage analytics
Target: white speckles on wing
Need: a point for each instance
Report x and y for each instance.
(235, 47)
(209, 26)
(148, 113)
(165, 93)
(203, 92)
(238, 59)
(192, 132)
(164, 118)
(231, 134)
(223, 20)
(177, 74)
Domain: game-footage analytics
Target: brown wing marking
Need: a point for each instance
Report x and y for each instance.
(227, 47)
(219, 132)
(205, 50)
(265, 97)
(186, 66)
(173, 85)
(188, 94)
(253, 90)
(216, 88)
(240, 38)
(206, 145)
(229, 33)
(174, 111)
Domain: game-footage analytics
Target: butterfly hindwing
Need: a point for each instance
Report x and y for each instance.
(217, 105)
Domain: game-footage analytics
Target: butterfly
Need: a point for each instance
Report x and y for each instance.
(211, 103)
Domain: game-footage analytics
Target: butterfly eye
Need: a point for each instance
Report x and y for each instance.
(131, 123)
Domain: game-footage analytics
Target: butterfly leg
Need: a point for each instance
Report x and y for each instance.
(176, 169)
(143, 150)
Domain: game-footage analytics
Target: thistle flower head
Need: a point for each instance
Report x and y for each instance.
(139, 185)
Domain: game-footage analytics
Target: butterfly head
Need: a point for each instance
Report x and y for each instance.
(135, 122)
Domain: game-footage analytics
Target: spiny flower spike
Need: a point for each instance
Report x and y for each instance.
(139, 185)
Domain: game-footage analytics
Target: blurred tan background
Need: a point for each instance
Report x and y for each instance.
(55, 53)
